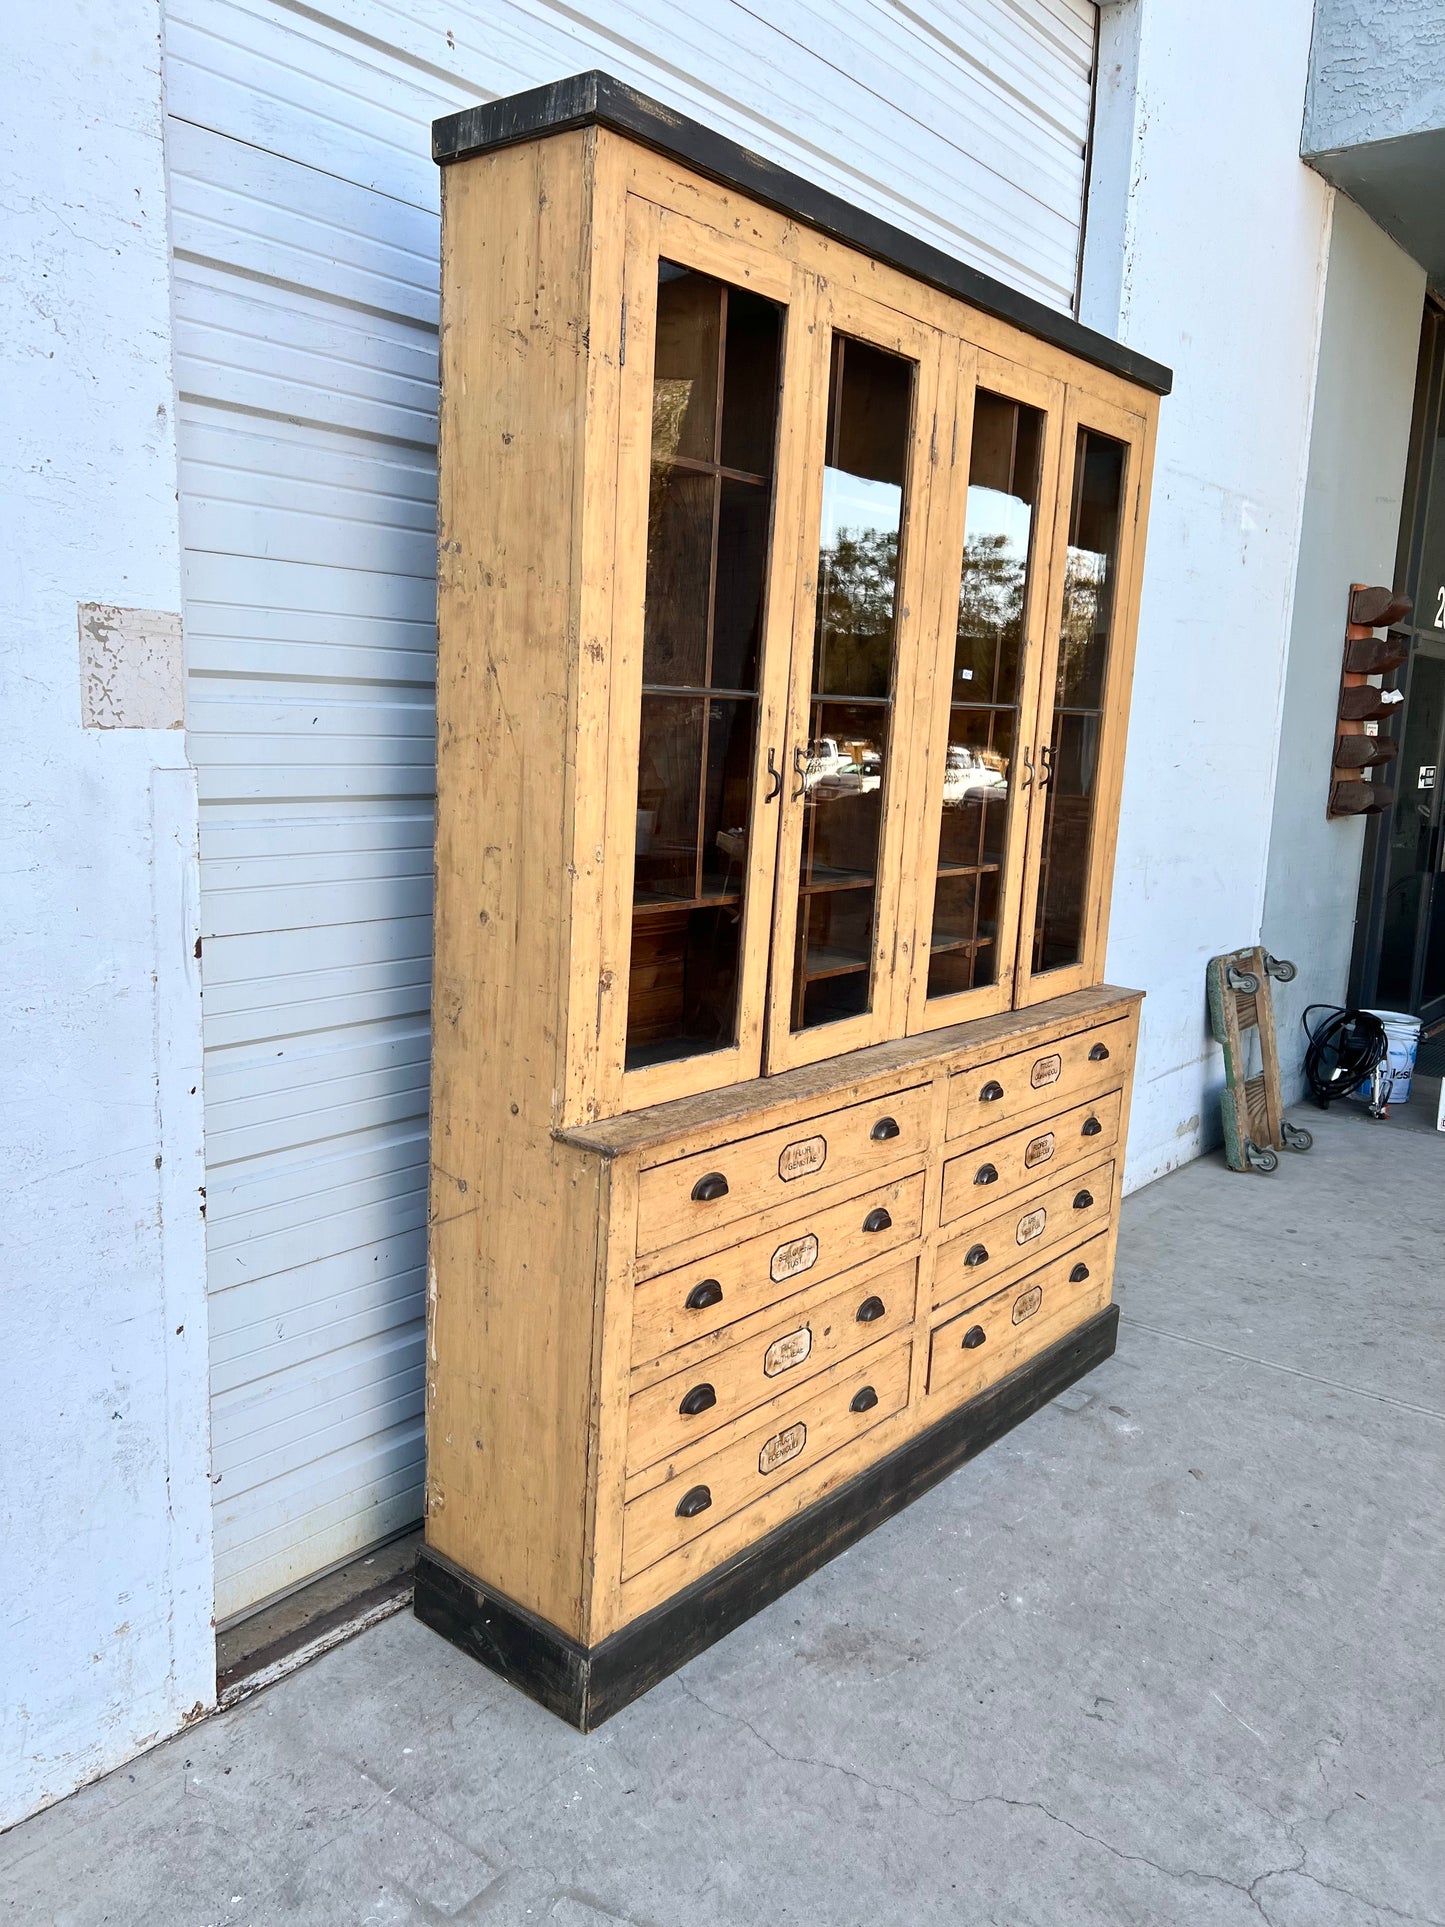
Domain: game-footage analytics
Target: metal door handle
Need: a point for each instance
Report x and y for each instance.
(1078, 1274)
(974, 1337)
(1092, 1127)
(991, 1092)
(775, 774)
(701, 1398)
(714, 1185)
(985, 1174)
(1098, 1053)
(886, 1127)
(1028, 768)
(1083, 1200)
(800, 769)
(870, 1309)
(709, 1292)
(877, 1220)
(1046, 765)
(864, 1401)
(691, 1503)
(976, 1255)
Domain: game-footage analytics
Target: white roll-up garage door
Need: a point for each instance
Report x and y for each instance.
(304, 207)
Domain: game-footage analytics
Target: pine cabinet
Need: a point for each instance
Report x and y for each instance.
(788, 583)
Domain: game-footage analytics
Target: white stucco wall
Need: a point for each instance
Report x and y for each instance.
(1369, 343)
(1377, 72)
(105, 1588)
(1207, 241)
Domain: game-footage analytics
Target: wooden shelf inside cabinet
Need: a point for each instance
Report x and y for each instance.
(709, 800)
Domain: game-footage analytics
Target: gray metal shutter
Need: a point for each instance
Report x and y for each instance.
(304, 209)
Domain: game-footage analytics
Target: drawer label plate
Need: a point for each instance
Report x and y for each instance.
(1027, 1303)
(797, 1255)
(1046, 1070)
(782, 1446)
(1031, 1225)
(786, 1352)
(1038, 1150)
(802, 1157)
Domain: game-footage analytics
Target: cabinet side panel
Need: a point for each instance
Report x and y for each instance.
(514, 1215)
(1112, 789)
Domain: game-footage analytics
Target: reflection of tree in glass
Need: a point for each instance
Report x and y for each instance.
(991, 594)
(1086, 613)
(671, 399)
(857, 582)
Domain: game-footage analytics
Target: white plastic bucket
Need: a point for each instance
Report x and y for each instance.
(1403, 1032)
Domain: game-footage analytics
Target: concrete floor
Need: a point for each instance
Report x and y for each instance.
(1171, 1653)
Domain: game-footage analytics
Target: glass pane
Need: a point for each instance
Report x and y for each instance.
(742, 554)
(685, 368)
(679, 577)
(750, 383)
(1072, 758)
(1003, 487)
(715, 381)
(870, 413)
(1412, 834)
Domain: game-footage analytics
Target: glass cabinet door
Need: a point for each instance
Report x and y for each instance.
(701, 641)
(855, 646)
(994, 562)
(1085, 692)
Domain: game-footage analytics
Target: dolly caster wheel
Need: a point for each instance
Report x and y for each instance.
(1296, 1137)
(1281, 968)
(1242, 980)
(1261, 1159)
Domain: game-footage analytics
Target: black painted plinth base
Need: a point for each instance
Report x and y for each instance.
(587, 1685)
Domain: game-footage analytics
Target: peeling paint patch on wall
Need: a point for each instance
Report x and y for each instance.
(131, 667)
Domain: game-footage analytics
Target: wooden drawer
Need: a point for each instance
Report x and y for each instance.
(982, 1178)
(691, 1195)
(1065, 1214)
(682, 1498)
(979, 1346)
(679, 1306)
(822, 1327)
(989, 1097)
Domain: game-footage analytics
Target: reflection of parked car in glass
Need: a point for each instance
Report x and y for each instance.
(972, 773)
(835, 771)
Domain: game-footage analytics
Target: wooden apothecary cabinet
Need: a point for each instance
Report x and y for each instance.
(788, 582)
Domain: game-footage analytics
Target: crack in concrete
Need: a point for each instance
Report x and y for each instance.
(953, 1807)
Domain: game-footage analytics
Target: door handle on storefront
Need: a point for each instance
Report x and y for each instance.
(775, 775)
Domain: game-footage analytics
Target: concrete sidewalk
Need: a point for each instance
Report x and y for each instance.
(1170, 1653)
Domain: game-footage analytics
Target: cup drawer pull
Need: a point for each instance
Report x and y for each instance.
(974, 1337)
(870, 1309)
(709, 1292)
(1083, 1200)
(714, 1185)
(693, 1502)
(1078, 1274)
(886, 1127)
(701, 1398)
(976, 1255)
(986, 1174)
(1098, 1053)
(877, 1220)
(991, 1092)
(1092, 1127)
(864, 1401)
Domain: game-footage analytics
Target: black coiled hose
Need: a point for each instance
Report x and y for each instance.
(1343, 1051)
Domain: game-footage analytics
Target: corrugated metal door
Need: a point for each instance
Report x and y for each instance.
(304, 211)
